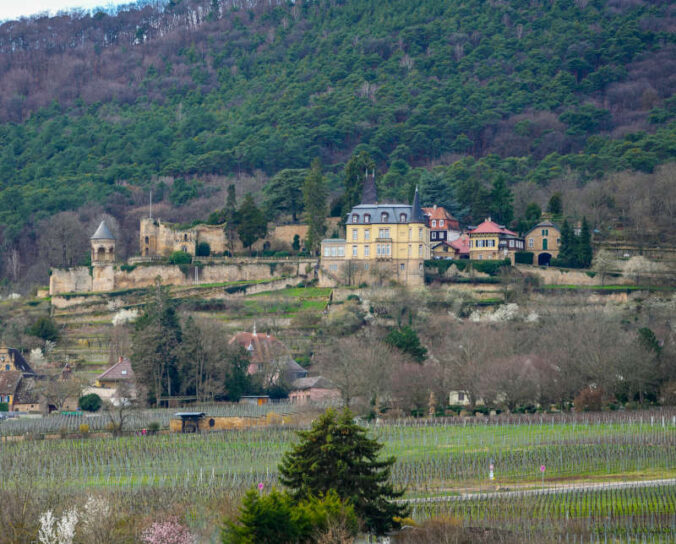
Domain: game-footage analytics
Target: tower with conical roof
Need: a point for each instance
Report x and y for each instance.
(102, 245)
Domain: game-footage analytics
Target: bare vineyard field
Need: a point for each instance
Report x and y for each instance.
(447, 460)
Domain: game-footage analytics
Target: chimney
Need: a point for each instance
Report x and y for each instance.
(435, 206)
(120, 359)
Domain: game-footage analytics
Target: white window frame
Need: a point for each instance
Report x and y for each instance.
(531, 243)
(367, 251)
(354, 251)
(354, 235)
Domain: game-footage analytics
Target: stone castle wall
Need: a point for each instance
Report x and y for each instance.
(112, 278)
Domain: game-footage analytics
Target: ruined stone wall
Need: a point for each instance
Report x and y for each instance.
(214, 235)
(70, 280)
(103, 278)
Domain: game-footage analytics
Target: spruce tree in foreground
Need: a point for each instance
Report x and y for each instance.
(336, 454)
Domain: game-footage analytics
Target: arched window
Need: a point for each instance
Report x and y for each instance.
(355, 218)
(185, 237)
(147, 240)
(367, 218)
(402, 218)
(384, 217)
(101, 253)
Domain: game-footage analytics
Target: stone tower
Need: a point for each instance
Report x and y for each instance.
(103, 245)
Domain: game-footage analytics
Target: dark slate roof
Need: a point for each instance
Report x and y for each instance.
(418, 214)
(19, 362)
(9, 381)
(27, 393)
(318, 382)
(103, 233)
(543, 224)
(394, 212)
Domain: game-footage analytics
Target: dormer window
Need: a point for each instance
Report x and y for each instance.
(384, 217)
(441, 222)
(355, 218)
(402, 218)
(124, 372)
(367, 218)
(434, 222)
(7, 367)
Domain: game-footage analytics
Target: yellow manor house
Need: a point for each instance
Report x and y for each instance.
(383, 242)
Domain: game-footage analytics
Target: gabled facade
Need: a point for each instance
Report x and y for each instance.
(456, 249)
(14, 370)
(383, 242)
(490, 241)
(543, 241)
(443, 226)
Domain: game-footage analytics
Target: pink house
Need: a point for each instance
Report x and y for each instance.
(314, 389)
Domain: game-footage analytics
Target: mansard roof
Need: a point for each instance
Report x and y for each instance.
(103, 232)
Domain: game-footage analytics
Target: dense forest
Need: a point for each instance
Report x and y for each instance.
(469, 99)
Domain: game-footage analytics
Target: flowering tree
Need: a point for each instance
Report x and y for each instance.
(169, 531)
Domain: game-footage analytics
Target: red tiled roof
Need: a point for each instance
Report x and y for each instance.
(263, 348)
(439, 212)
(461, 245)
(489, 227)
(121, 370)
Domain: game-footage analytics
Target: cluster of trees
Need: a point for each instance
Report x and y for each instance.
(502, 363)
(337, 483)
(173, 357)
(575, 249)
(490, 89)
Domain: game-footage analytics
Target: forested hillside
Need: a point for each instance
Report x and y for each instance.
(539, 96)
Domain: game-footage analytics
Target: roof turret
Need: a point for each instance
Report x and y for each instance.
(103, 232)
(417, 214)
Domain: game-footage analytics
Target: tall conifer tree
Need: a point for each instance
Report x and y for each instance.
(314, 197)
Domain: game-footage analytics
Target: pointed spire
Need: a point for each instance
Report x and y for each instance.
(370, 194)
(416, 211)
(103, 233)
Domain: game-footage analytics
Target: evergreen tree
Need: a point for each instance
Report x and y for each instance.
(567, 246)
(251, 222)
(314, 196)
(155, 343)
(555, 205)
(284, 193)
(532, 214)
(337, 454)
(353, 179)
(407, 340)
(501, 202)
(584, 253)
(436, 188)
(230, 217)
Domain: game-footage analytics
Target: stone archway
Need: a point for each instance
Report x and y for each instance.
(544, 259)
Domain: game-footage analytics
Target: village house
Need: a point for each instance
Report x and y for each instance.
(313, 389)
(383, 242)
(443, 226)
(269, 358)
(543, 241)
(490, 241)
(15, 373)
(116, 384)
(457, 249)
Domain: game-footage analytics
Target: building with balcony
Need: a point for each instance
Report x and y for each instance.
(383, 243)
(490, 241)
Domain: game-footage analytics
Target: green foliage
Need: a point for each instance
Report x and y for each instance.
(407, 83)
(276, 519)
(336, 454)
(180, 257)
(555, 204)
(90, 403)
(203, 249)
(284, 193)
(295, 245)
(314, 197)
(4, 407)
(648, 340)
(182, 192)
(490, 267)
(407, 340)
(501, 199)
(251, 222)
(353, 179)
(523, 257)
(575, 251)
(46, 328)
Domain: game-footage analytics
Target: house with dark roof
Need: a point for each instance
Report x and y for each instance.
(268, 357)
(490, 241)
(313, 389)
(116, 384)
(14, 370)
(443, 226)
(456, 249)
(543, 241)
(383, 242)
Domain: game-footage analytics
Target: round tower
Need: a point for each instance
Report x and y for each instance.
(103, 245)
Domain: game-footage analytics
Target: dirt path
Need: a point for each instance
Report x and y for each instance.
(563, 488)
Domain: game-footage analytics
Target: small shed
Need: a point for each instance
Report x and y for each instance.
(257, 400)
(190, 421)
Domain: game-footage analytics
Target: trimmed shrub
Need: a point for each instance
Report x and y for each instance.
(4, 407)
(180, 257)
(203, 249)
(90, 403)
(523, 257)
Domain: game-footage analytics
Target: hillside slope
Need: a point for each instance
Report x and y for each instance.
(96, 106)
